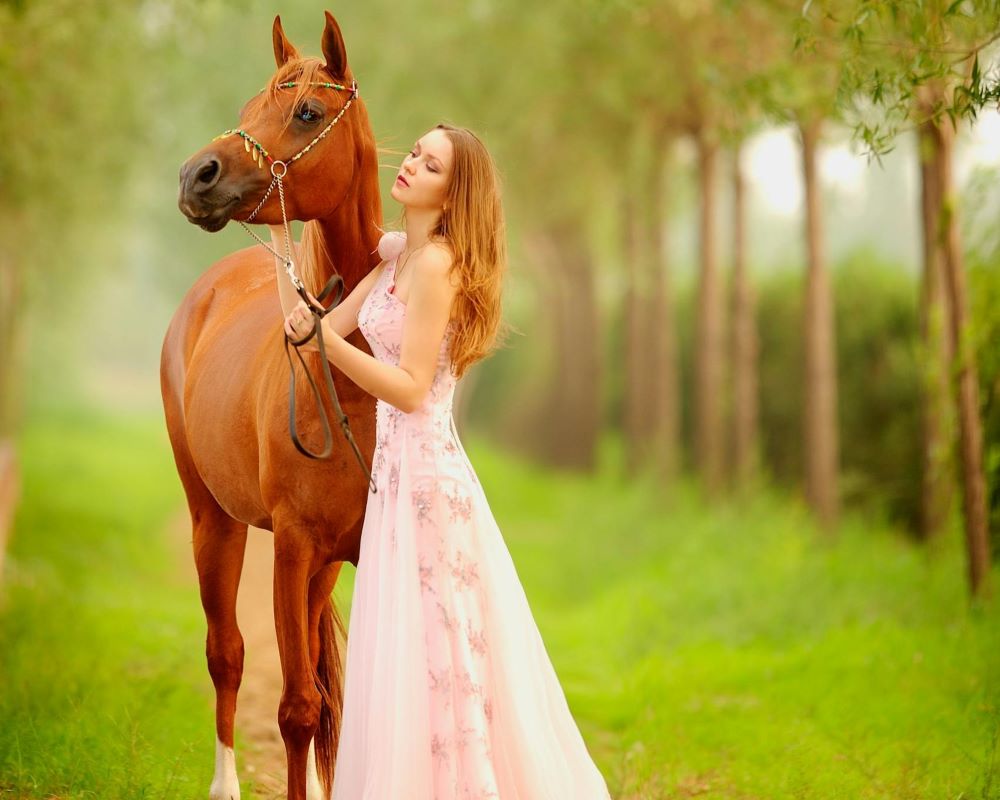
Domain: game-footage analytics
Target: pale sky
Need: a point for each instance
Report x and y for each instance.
(772, 163)
(870, 206)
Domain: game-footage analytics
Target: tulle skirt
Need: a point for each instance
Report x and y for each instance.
(449, 691)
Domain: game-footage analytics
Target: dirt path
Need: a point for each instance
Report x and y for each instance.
(263, 756)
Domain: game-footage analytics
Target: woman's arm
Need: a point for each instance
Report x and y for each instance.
(286, 291)
(428, 310)
(343, 318)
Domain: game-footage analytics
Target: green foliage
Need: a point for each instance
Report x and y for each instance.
(895, 50)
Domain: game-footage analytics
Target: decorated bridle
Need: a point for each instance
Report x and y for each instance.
(279, 169)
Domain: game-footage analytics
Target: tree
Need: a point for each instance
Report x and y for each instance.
(917, 62)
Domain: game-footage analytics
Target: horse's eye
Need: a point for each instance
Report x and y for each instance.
(307, 114)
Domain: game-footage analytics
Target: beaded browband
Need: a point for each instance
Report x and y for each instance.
(260, 153)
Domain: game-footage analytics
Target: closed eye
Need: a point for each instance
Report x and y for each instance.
(414, 154)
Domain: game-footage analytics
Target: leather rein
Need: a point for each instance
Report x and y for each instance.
(335, 287)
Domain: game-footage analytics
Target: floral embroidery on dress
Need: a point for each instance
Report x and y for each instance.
(426, 575)
(460, 505)
(467, 685)
(466, 736)
(440, 681)
(439, 748)
(465, 571)
(480, 794)
(422, 500)
(445, 616)
(477, 639)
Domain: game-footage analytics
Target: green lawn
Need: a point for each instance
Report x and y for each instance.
(724, 653)
(105, 693)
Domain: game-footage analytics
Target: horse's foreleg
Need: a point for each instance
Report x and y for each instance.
(299, 709)
(219, 545)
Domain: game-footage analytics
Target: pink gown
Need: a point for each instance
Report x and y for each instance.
(449, 692)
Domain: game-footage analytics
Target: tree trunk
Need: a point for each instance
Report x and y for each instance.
(11, 361)
(664, 386)
(820, 434)
(709, 344)
(745, 345)
(568, 426)
(966, 381)
(635, 391)
(937, 419)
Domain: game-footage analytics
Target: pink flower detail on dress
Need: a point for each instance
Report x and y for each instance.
(467, 685)
(465, 571)
(440, 681)
(460, 506)
(426, 574)
(445, 618)
(466, 736)
(484, 793)
(422, 499)
(439, 748)
(427, 448)
(393, 479)
(477, 639)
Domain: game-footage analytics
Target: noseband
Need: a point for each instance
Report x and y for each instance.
(335, 285)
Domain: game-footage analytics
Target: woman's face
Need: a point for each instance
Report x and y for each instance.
(423, 178)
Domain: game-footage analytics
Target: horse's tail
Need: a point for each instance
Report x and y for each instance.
(330, 682)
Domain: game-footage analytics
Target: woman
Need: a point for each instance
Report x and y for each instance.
(449, 692)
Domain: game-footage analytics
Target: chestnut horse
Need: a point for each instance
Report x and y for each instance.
(224, 381)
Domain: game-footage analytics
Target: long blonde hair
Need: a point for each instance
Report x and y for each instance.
(473, 224)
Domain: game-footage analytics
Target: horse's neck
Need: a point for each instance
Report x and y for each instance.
(352, 248)
(352, 232)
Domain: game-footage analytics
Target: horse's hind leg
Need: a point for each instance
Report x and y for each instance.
(295, 562)
(326, 633)
(219, 546)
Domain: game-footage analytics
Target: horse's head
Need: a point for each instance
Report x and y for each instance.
(315, 126)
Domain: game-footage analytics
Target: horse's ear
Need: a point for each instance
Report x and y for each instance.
(284, 50)
(333, 48)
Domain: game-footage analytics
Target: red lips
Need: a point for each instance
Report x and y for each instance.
(401, 178)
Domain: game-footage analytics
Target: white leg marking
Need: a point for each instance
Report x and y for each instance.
(225, 784)
(313, 790)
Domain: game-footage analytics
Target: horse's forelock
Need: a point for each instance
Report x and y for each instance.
(303, 71)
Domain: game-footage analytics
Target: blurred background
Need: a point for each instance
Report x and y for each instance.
(745, 446)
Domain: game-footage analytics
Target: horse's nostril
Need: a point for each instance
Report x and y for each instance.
(208, 173)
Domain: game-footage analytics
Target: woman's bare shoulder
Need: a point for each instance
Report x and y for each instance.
(441, 252)
(435, 263)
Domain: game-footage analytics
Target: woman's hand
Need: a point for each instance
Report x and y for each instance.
(299, 322)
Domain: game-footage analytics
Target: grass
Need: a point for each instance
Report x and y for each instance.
(733, 652)
(105, 693)
(718, 652)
